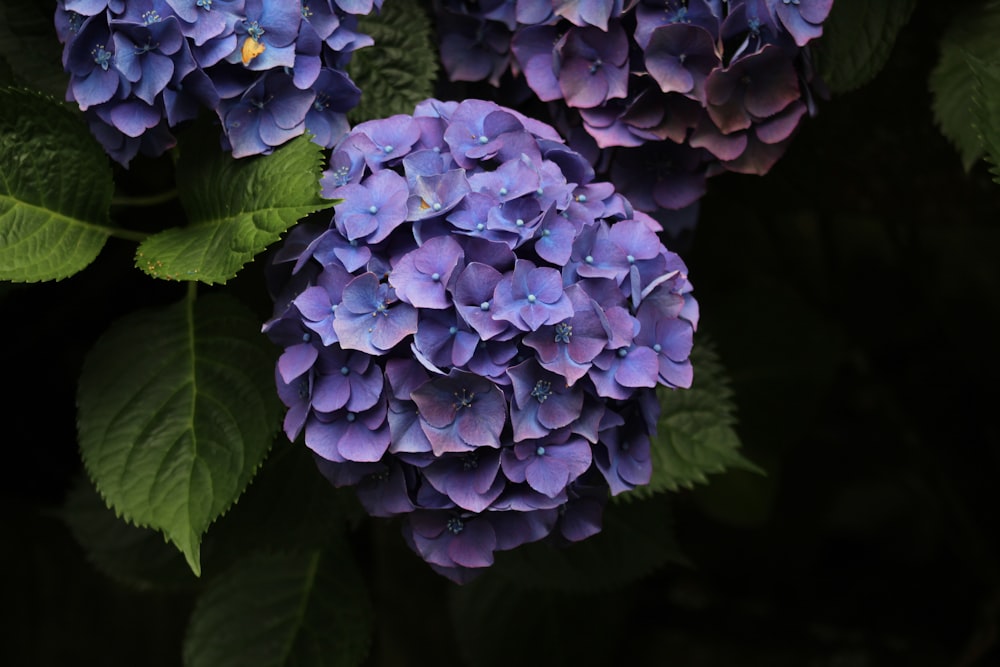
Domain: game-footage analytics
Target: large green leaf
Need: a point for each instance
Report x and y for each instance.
(400, 70)
(176, 412)
(236, 208)
(695, 435)
(972, 35)
(858, 37)
(306, 609)
(55, 189)
(986, 108)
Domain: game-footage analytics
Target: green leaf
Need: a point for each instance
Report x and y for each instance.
(29, 44)
(972, 35)
(283, 610)
(858, 37)
(55, 189)
(695, 435)
(986, 108)
(635, 539)
(136, 557)
(236, 208)
(402, 67)
(176, 412)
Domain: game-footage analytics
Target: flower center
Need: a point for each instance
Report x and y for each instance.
(564, 332)
(542, 390)
(204, 4)
(255, 31)
(102, 57)
(455, 525)
(463, 399)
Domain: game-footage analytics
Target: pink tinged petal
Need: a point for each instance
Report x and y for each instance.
(295, 419)
(676, 374)
(357, 225)
(314, 303)
(322, 437)
(354, 332)
(670, 74)
(639, 368)
(722, 146)
(330, 392)
(365, 389)
(480, 427)
(463, 348)
(273, 135)
(437, 407)
(803, 23)
(393, 326)
(474, 545)
(404, 427)
(583, 84)
(526, 424)
(361, 294)
(472, 499)
(134, 118)
(361, 443)
(444, 440)
(815, 11)
(296, 360)
(546, 477)
(560, 410)
(780, 127)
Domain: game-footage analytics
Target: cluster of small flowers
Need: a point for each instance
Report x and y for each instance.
(475, 338)
(682, 89)
(269, 69)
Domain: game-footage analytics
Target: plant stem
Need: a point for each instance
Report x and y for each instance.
(127, 234)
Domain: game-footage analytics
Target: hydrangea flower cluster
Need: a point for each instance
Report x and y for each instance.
(475, 338)
(269, 69)
(679, 89)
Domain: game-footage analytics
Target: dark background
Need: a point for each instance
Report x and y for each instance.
(852, 295)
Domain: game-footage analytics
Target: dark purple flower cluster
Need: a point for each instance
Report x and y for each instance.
(475, 338)
(680, 89)
(269, 69)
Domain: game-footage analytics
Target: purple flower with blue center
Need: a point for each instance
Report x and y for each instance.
(466, 368)
(461, 411)
(371, 318)
(270, 113)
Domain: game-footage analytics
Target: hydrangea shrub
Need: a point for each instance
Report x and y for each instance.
(474, 339)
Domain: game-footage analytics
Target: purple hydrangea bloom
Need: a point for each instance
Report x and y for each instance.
(268, 70)
(464, 360)
(667, 74)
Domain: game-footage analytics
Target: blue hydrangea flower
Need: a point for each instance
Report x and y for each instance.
(269, 70)
(483, 360)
